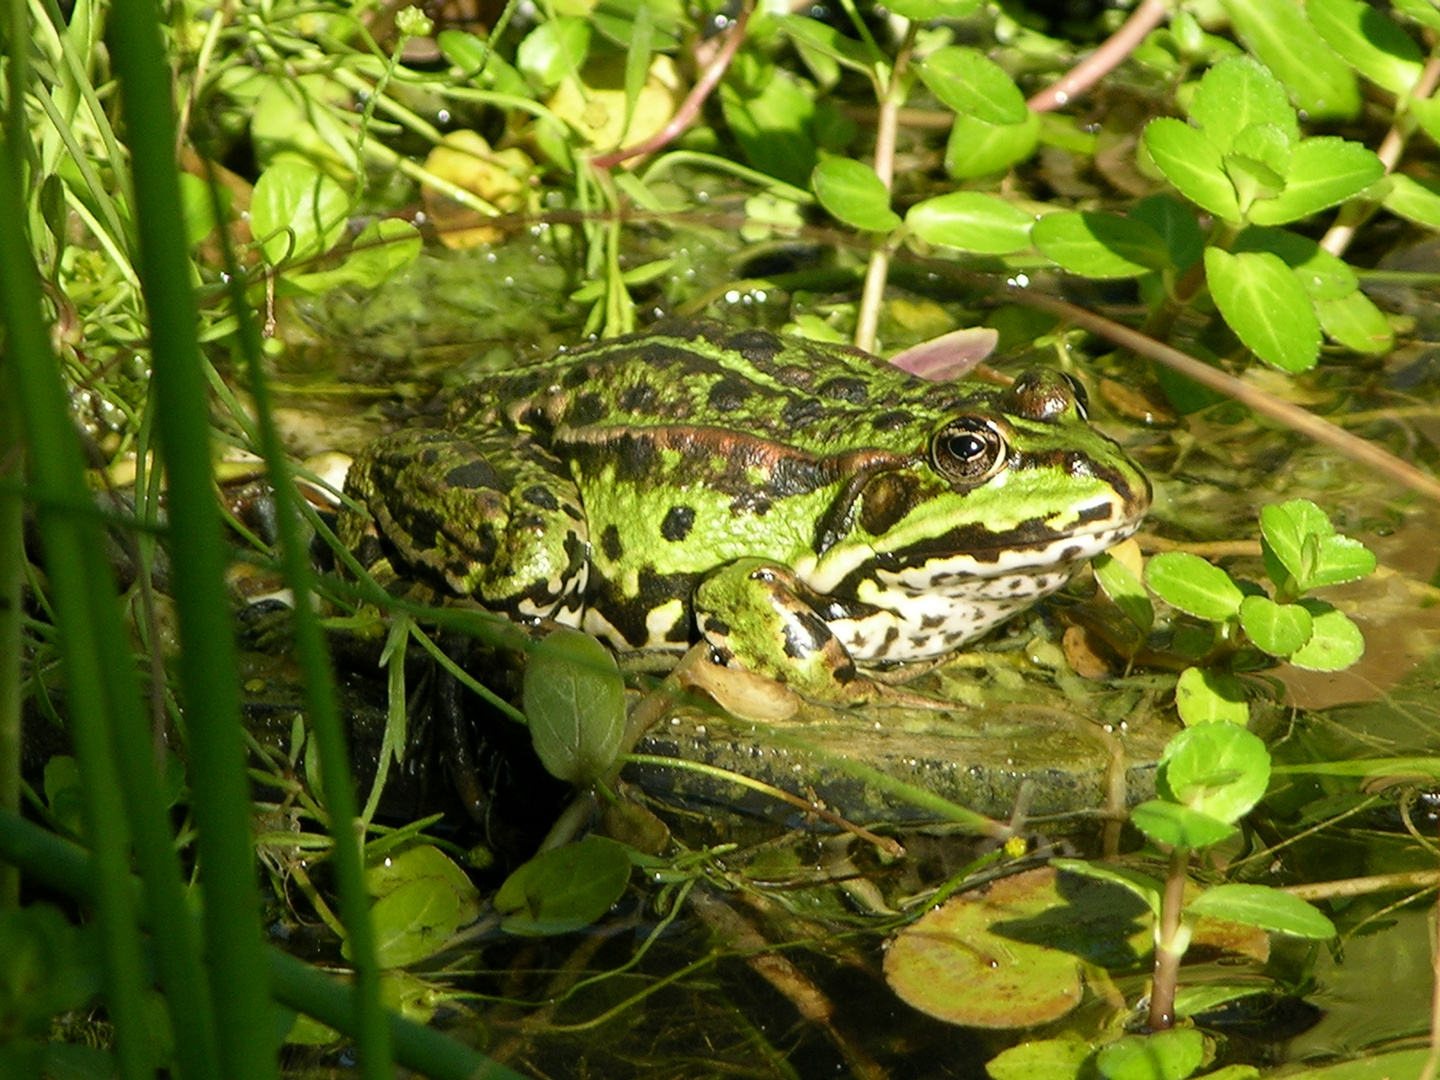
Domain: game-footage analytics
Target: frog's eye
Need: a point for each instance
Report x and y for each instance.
(968, 451)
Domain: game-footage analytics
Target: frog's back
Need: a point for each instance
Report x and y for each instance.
(792, 390)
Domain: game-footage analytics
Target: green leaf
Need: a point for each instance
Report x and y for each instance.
(1100, 245)
(1266, 305)
(1335, 642)
(1176, 224)
(1324, 276)
(1416, 201)
(1179, 826)
(1191, 584)
(574, 700)
(926, 10)
(811, 35)
(1279, 629)
(422, 898)
(1269, 143)
(972, 84)
(1144, 886)
(381, 250)
(1203, 696)
(851, 191)
(769, 112)
(1125, 589)
(1041, 1059)
(1259, 905)
(564, 889)
(1284, 528)
(1372, 44)
(556, 48)
(1194, 164)
(1323, 171)
(1237, 93)
(1355, 322)
(1218, 769)
(1161, 1055)
(297, 212)
(976, 148)
(1278, 33)
(1424, 12)
(971, 221)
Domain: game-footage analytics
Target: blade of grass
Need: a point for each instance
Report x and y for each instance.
(65, 867)
(86, 612)
(238, 977)
(373, 1031)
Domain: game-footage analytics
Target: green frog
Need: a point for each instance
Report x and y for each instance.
(806, 508)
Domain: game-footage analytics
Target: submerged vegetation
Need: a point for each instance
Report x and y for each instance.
(1142, 839)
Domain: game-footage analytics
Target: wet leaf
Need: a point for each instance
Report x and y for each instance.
(1324, 276)
(1176, 224)
(1413, 200)
(1218, 769)
(297, 212)
(851, 191)
(1193, 164)
(555, 49)
(1010, 956)
(1324, 171)
(1100, 245)
(977, 148)
(815, 37)
(1239, 92)
(1369, 41)
(1355, 322)
(1179, 826)
(1125, 589)
(1279, 629)
(1194, 586)
(971, 221)
(972, 84)
(1277, 32)
(769, 112)
(1146, 888)
(925, 10)
(1041, 1059)
(1266, 305)
(1259, 905)
(574, 700)
(1335, 642)
(1204, 696)
(422, 898)
(1161, 1055)
(564, 889)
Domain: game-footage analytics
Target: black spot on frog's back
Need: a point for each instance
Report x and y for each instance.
(638, 398)
(729, 394)
(801, 411)
(610, 543)
(587, 409)
(541, 496)
(679, 520)
(757, 346)
(474, 475)
(845, 388)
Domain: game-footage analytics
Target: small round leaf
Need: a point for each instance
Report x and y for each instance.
(1194, 586)
(564, 889)
(1161, 1055)
(574, 700)
(1335, 642)
(971, 221)
(1218, 769)
(1259, 905)
(1179, 826)
(972, 84)
(851, 191)
(1203, 696)
(1279, 629)
(1266, 305)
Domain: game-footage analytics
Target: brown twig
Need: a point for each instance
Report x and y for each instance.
(1104, 59)
(690, 107)
(1292, 416)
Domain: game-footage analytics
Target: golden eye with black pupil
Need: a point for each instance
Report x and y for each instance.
(1082, 399)
(968, 451)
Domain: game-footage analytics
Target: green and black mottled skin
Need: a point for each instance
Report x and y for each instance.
(802, 505)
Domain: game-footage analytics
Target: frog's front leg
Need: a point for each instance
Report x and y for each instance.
(753, 613)
(494, 517)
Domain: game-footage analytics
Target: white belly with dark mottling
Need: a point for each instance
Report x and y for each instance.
(932, 609)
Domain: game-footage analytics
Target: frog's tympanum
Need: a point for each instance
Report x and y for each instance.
(804, 507)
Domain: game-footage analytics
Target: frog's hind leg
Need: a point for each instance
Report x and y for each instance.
(494, 516)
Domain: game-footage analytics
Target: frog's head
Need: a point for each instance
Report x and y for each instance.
(1013, 484)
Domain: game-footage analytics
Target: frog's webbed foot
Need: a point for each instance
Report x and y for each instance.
(492, 516)
(754, 615)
